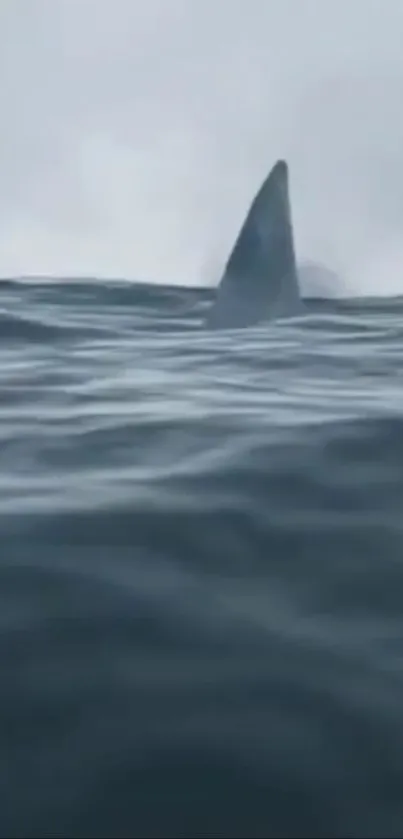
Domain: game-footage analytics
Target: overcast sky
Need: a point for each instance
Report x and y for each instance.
(135, 132)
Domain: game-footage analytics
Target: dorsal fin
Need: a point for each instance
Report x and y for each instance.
(260, 279)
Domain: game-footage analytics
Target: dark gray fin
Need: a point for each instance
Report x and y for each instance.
(260, 280)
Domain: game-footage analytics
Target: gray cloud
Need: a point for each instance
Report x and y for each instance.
(134, 134)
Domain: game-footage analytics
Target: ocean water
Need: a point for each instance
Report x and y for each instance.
(201, 567)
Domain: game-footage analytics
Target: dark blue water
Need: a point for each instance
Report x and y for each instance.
(201, 568)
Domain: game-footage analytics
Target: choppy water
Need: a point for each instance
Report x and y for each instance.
(201, 568)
